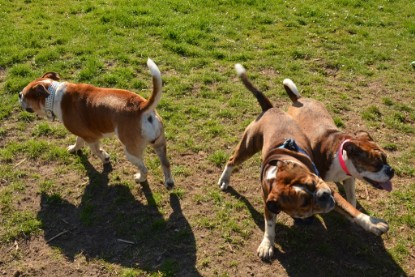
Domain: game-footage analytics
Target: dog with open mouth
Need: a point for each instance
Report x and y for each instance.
(340, 157)
(289, 176)
(92, 113)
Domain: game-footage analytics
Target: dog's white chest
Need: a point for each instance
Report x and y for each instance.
(57, 109)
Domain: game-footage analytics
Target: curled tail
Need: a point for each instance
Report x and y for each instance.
(157, 85)
(262, 99)
(291, 90)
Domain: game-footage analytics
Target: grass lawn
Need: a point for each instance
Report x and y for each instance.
(67, 215)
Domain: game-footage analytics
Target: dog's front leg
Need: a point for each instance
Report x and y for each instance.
(371, 224)
(134, 155)
(266, 248)
(98, 151)
(350, 190)
(80, 142)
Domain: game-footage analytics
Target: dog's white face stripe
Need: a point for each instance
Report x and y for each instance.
(271, 172)
(299, 189)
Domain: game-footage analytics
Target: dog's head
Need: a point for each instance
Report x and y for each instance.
(290, 187)
(32, 97)
(365, 160)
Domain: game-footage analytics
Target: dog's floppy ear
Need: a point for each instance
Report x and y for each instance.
(52, 75)
(351, 149)
(40, 90)
(363, 135)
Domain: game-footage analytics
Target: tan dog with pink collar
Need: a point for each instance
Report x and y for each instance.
(340, 157)
(92, 113)
(289, 175)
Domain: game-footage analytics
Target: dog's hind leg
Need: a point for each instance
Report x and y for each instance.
(250, 144)
(160, 148)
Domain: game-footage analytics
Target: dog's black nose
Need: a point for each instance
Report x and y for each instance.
(20, 95)
(323, 196)
(273, 207)
(389, 171)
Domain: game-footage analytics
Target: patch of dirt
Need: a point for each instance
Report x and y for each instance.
(135, 233)
(101, 227)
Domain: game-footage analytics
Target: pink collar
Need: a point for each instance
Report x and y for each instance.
(340, 157)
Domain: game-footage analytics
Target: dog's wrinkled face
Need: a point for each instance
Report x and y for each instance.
(291, 188)
(32, 97)
(368, 161)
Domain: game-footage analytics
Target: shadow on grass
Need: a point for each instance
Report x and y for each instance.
(111, 225)
(343, 249)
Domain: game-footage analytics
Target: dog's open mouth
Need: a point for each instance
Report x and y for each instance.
(380, 185)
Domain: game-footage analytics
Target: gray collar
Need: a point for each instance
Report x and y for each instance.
(50, 99)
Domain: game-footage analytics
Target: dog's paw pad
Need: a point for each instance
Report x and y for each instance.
(265, 250)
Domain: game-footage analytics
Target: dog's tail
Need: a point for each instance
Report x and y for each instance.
(291, 90)
(157, 85)
(262, 99)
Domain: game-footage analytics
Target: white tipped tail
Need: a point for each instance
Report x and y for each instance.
(157, 85)
(290, 84)
(153, 68)
(239, 69)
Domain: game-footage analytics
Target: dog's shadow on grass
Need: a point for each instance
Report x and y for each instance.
(110, 224)
(333, 248)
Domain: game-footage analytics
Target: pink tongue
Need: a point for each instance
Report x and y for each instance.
(386, 186)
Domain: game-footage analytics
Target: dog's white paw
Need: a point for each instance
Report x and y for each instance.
(140, 178)
(223, 184)
(72, 149)
(266, 249)
(225, 178)
(105, 157)
(374, 225)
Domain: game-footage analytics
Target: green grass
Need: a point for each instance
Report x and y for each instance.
(352, 55)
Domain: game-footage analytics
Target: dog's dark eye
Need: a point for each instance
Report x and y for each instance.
(310, 186)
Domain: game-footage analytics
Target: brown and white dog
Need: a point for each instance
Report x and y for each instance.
(340, 157)
(288, 178)
(288, 181)
(92, 113)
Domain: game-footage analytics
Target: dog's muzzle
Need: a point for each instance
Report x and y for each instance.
(325, 200)
(27, 109)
